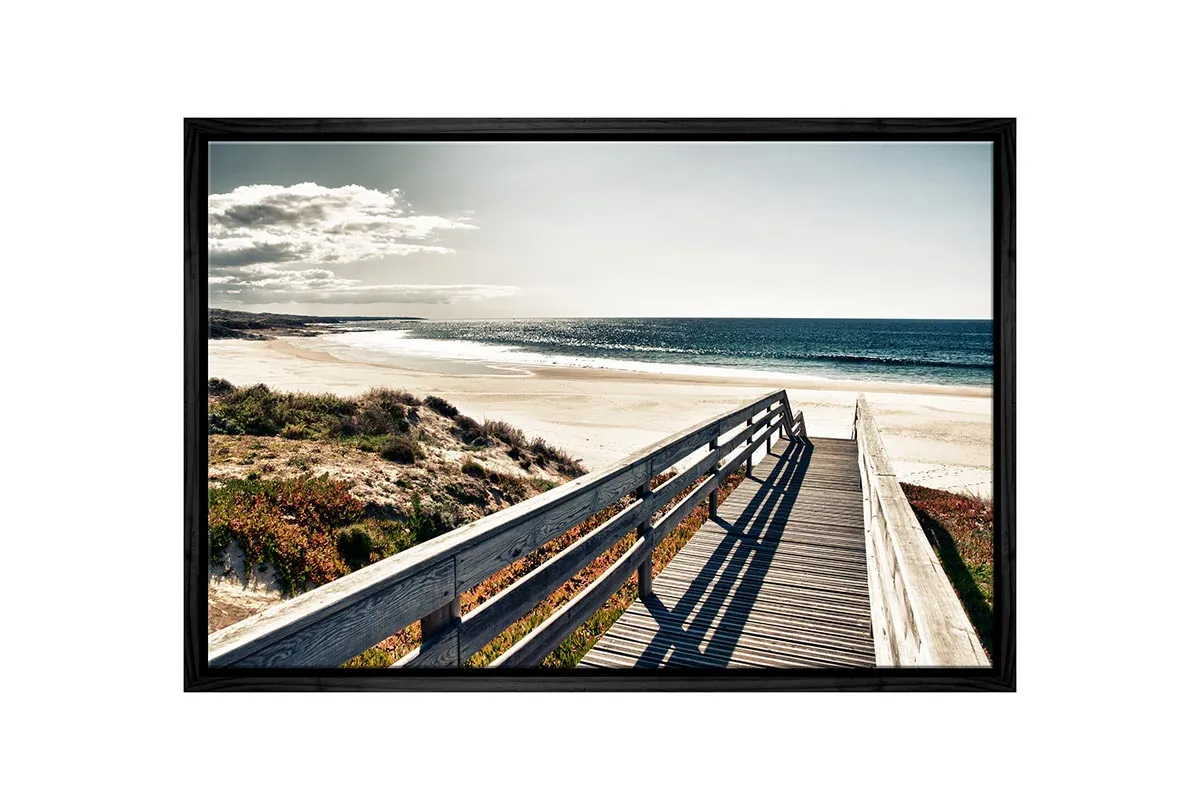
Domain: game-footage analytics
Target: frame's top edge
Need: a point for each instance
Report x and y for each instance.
(765, 128)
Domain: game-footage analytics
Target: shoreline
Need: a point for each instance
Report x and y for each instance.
(465, 368)
(937, 436)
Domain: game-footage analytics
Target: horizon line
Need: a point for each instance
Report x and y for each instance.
(612, 317)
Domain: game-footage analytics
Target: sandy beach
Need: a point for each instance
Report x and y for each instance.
(937, 436)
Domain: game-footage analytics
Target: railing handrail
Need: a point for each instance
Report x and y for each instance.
(920, 617)
(334, 622)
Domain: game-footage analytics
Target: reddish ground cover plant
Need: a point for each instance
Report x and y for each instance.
(289, 524)
(960, 530)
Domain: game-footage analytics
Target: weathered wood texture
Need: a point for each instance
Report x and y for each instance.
(777, 579)
(333, 623)
(534, 647)
(918, 618)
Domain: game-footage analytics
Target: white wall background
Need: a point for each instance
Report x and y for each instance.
(93, 453)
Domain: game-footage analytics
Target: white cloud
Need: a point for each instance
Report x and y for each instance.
(310, 223)
(265, 243)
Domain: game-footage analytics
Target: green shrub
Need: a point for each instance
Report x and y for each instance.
(513, 489)
(376, 419)
(295, 432)
(424, 524)
(439, 405)
(218, 387)
(467, 492)
(253, 410)
(219, 537)
(354, 543)
(257, 410)
(510, 435)
(474, 470)
(470, 431)
(372, 540)
(546, 452)
(401, 449)
(390, 399)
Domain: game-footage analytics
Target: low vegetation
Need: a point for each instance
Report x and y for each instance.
(401, 449)
(474, 470)
(504, 432)
(310, 528)
(257, 410)
(305, 488)
(383, 421)
(960, 529)
(441, 406)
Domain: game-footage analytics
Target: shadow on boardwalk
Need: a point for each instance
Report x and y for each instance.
(721, 596)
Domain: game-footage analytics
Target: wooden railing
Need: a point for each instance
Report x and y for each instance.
(335, 622)
(916, 617)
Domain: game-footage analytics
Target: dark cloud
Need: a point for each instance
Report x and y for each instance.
(264, 214)
(255, 254)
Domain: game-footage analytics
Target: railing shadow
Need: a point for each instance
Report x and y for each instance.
(959, 575)
(734, 571)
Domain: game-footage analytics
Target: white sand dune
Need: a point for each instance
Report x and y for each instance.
(938, 436)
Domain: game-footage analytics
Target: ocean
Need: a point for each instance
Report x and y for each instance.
(943, 352)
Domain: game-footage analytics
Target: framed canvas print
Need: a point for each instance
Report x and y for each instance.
(480, 404)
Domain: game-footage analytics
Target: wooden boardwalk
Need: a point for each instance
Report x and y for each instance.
(777, 579)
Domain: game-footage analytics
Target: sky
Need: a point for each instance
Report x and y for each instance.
(576, 229)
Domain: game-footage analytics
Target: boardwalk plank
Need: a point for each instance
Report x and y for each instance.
(777, 579)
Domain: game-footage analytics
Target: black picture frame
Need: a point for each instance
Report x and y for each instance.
(200, 132)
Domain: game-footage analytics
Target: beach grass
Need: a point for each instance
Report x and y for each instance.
(382, 421)
(960, 530)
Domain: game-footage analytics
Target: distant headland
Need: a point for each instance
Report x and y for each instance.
(226, 323)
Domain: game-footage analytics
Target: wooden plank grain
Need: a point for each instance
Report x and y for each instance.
(778, 577)
(330, 625)
(440, 650)
(664, 492)
(924, 620)
(502, 610)
(535, 646)
(479, 561)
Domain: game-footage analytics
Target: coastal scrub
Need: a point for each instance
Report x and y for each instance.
(960, 530)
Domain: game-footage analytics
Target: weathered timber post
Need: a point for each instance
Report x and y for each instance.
(750, 441)
(646, 569)
(447, 616)
(712, 496)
